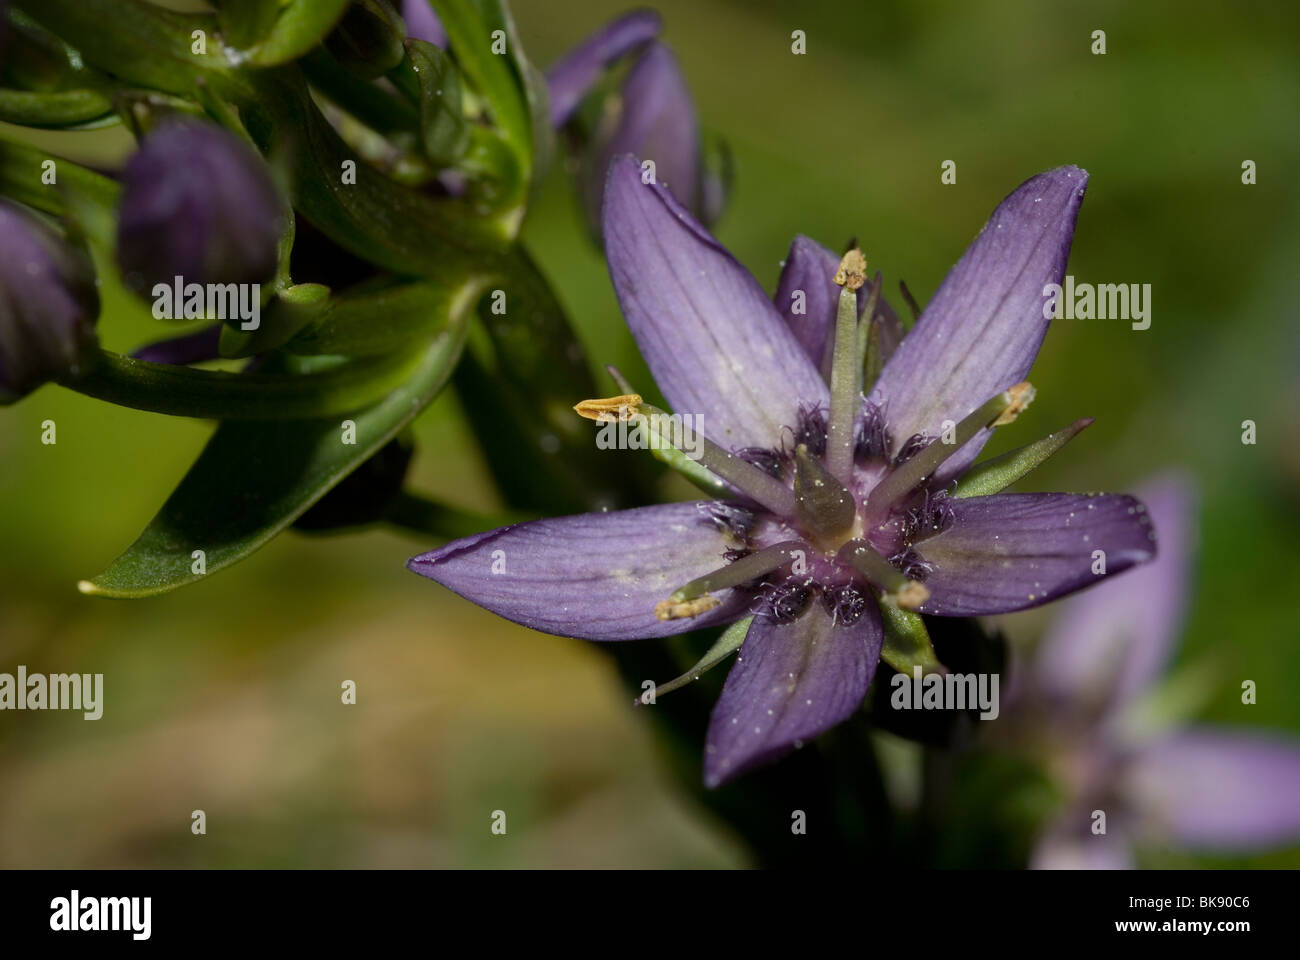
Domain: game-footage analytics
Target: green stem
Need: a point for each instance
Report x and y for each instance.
(186, 392)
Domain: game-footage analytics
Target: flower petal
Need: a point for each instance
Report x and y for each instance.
(596, 576)
(1109, 644)
(810, 269)
(982, 330)
(656, 121)
(790, 682)
(570, 77)
(1016, 550)
(714, 342)
(1221, 789)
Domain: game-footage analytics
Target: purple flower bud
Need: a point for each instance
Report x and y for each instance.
(48, 304)
(199, 204)
(422, 23)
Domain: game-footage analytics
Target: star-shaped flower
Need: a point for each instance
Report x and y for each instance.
(833, 506)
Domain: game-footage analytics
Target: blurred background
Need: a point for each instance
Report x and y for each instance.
(224, 696)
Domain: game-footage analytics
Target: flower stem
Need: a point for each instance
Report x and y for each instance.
(186, 392)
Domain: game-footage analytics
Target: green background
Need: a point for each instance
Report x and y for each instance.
(224, 696)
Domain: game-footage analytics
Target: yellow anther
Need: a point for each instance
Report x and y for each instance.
(622, 407)
(853, 270)
(911, 595)
(1021, 395)
(678, 610)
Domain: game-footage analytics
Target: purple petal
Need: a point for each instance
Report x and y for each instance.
(790, 682)
(1016, 550)
(1109, 644)
(982, 330)
(656, 121)
(570, 77)
(714, 342)
(422, 23)
(810, 269)
(1220, 789)
(596, 576)
(192, 348)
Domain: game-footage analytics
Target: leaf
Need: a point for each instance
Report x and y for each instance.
(253, 479)
(136, 41)
(302, 25)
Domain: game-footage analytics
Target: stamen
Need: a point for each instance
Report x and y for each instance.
(912, 305)
(668, 610)
(609, 409)
(994, 412)
(908, 594)
(745, 477)
(747, 568)
(845, 368)
(824, 508)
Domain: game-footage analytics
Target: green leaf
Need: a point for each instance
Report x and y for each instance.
(998, 473)
(302, 25)
(396, 227)
(907, 642)
(138, 41)
(254, 479)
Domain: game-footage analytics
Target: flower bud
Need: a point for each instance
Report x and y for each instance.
(48, 304)
(422, 23)
(653, 118)
(199, 204)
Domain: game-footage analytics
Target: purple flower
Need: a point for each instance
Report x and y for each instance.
(836, 502)
(1201, 787)
(48, 304)
(200, 204)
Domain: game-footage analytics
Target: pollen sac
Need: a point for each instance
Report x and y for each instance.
(197, 203)
(48, 304)
(847, 603)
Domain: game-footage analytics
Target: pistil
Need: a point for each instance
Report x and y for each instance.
(846, 368)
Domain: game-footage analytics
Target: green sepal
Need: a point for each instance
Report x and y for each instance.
(283, 316)
(245, 22)
(907, 641)
(725, 646)
(254, 479)
(998, 473)
(63, 108)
